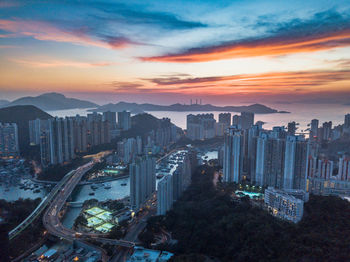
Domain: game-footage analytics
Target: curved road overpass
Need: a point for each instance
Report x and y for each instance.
(51, 218)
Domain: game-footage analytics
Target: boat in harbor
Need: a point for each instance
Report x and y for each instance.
(91, 194)
(123, 184)
(107, 186)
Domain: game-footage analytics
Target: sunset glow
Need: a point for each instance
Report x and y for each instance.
(112, 51)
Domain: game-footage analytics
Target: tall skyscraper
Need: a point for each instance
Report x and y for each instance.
(344, 169)
(325, 169)
(247, 119)
(327, 130)
(111, 118)
(314, 129)
(347, 121)
(269, 160)
(164, 195)
(36, 127)
(295, 163)
(61, 139)
(312, 166)
(142, 181)
(223, 124)
(124, 120)
(237, 121)
(225, 118)
(233, 158)
(201, 126)
(292, 127)
(9, 140)
(252, 136)
(45, 148)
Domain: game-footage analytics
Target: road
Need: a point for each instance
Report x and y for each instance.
(52, 223)
(51, 218)
(133, 231)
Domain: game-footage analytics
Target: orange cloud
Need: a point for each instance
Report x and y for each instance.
(270, 46)
(267, 83)
(59, 63)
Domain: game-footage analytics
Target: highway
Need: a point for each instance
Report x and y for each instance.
(40, 208)
(51, 218)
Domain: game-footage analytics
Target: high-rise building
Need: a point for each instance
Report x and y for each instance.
(292, 128)
(225, 118)
(344, 169)
(201, 126)
(237, 121)
(36, 127)
(124, 120)
(247, 119)
(9, 140)
(142, 181)
(295, 163)
(111, 118)
(269, 160)
(223, 124)
(94, 117)
(164, 194)
(81, 134)
(327, 130)
(283, 205)
(312, 166)
(314, 129)
(233, 157)
(347, 121)
(61, 139)
(253, 134)
(325, 169)
(45, 148)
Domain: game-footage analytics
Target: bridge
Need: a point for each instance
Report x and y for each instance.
(40, 208)
(51, 218)
(75, 204)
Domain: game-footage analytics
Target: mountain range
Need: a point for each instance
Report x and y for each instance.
(138, 108)
(56, 101)
(50, 102)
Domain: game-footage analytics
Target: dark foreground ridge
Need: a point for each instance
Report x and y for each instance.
(208, 224)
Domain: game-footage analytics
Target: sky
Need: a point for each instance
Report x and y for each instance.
(223, 52)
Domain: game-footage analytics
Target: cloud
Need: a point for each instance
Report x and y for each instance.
(135, 15)
(303, 82)
(102, 24)
(59, 63)
(324, 31)
(48, 32)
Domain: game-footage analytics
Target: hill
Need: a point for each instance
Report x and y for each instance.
(207, 221)
(136, 108)
(142, 124)
(21, 116)
(4, 102)
(53, 101)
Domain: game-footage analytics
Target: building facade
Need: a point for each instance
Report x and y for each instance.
(9, 140)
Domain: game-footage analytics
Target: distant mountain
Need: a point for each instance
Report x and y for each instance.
(53, 101)
(133, 107)
(21, 116)
(4, 102)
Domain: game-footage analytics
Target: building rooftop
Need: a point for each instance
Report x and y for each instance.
(142, 254)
